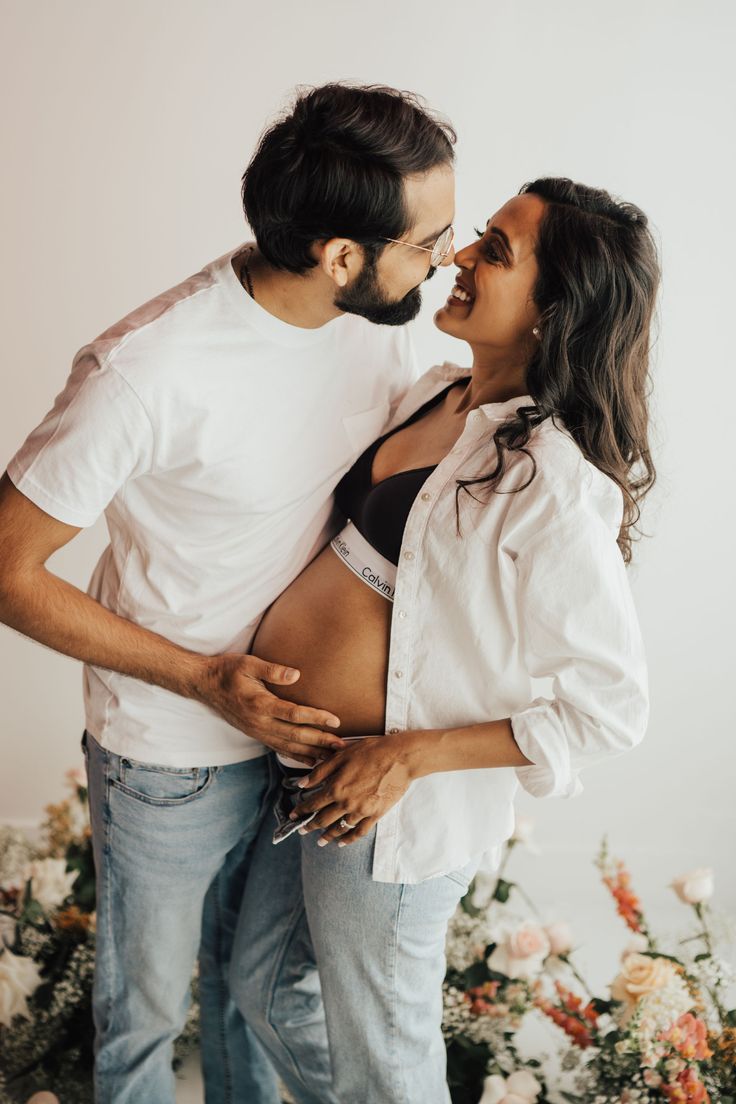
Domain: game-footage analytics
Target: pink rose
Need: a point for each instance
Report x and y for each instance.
(528, 940)
(520, 951)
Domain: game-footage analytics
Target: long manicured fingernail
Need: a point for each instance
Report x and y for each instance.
(301, 784)
(341, 843)
(303, 831)
(322, 842)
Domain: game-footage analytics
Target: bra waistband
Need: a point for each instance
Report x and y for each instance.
(363, 560)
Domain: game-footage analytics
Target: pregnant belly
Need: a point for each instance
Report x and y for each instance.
(335, 630)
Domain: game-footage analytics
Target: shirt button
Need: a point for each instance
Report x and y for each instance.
(426, 496)
(398, 674)
(408, 555)
(392, 731)
(402, 615)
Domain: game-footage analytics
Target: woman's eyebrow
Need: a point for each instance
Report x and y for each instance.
(502, 235)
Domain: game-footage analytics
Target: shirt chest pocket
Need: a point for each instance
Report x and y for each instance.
(361, 429)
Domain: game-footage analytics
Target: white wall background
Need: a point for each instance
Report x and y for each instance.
(125, 130)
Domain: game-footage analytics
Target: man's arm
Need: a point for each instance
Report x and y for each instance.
(44, 607)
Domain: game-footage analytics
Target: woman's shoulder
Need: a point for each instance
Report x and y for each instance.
(565, 488)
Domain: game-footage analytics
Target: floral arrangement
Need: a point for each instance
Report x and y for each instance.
(47, 948)
(664, 1033)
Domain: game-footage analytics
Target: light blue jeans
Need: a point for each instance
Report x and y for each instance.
(172, 853)
(380, 949)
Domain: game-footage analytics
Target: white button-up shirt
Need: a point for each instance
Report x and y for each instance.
(533, 588)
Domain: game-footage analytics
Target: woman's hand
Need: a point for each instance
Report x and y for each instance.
(358, 784)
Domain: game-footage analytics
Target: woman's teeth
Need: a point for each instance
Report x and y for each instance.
(460, 293)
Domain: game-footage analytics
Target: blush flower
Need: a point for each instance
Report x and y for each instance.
(520, 951)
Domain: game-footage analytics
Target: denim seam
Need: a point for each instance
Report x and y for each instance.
(222, 1000)
(399, 1085)
(271, 988)
(111, 962)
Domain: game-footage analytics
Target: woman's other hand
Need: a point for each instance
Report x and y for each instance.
(358, 785)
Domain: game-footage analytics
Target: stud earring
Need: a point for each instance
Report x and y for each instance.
(537, 333)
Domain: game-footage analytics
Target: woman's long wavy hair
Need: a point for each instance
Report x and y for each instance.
(596, 293)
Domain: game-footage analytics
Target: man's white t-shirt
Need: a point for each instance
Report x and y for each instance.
(212, 435)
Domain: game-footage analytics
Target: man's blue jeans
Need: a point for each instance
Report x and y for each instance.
(172, 853)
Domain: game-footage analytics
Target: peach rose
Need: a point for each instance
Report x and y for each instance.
(640, 975)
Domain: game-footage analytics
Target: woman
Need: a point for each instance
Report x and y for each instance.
(486, 548)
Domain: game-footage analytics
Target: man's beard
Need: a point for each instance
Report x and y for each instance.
(365, 298)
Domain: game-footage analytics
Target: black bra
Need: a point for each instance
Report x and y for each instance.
(380, 512)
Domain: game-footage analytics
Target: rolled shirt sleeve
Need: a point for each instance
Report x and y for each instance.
(578, 626)
(96, 437)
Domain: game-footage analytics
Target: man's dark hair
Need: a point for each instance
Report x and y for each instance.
(335, 167)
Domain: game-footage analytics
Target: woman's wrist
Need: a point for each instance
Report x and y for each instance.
(478, 746)
(417, 750)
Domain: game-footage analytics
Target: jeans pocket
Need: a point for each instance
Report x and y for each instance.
(162, 786)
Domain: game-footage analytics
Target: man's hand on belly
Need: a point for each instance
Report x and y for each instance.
(233, 686)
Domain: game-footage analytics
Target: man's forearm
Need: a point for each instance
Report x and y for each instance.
(55, 613)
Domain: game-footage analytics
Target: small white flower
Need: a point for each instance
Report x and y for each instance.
(7, 931)
(19, 979)
(523, 830)
(560, 937)
(50, 882)
(483, 887)
(694, 887)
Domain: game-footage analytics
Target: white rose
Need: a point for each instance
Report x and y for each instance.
(50, 882)
(19, 979)
(694, 887)
(520, 1088)
(560, 937)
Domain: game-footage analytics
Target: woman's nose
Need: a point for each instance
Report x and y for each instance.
(465, 257)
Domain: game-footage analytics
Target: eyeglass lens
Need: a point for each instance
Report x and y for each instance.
(441, 247)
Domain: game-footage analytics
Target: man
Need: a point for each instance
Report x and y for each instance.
(211, 426)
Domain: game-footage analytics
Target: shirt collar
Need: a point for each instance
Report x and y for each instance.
(494, 412)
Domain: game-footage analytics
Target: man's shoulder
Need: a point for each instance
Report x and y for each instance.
(163, 322)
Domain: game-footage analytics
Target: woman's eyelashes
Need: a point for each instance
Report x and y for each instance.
(491, 248)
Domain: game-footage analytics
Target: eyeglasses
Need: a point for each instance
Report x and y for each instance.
(441, 248)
